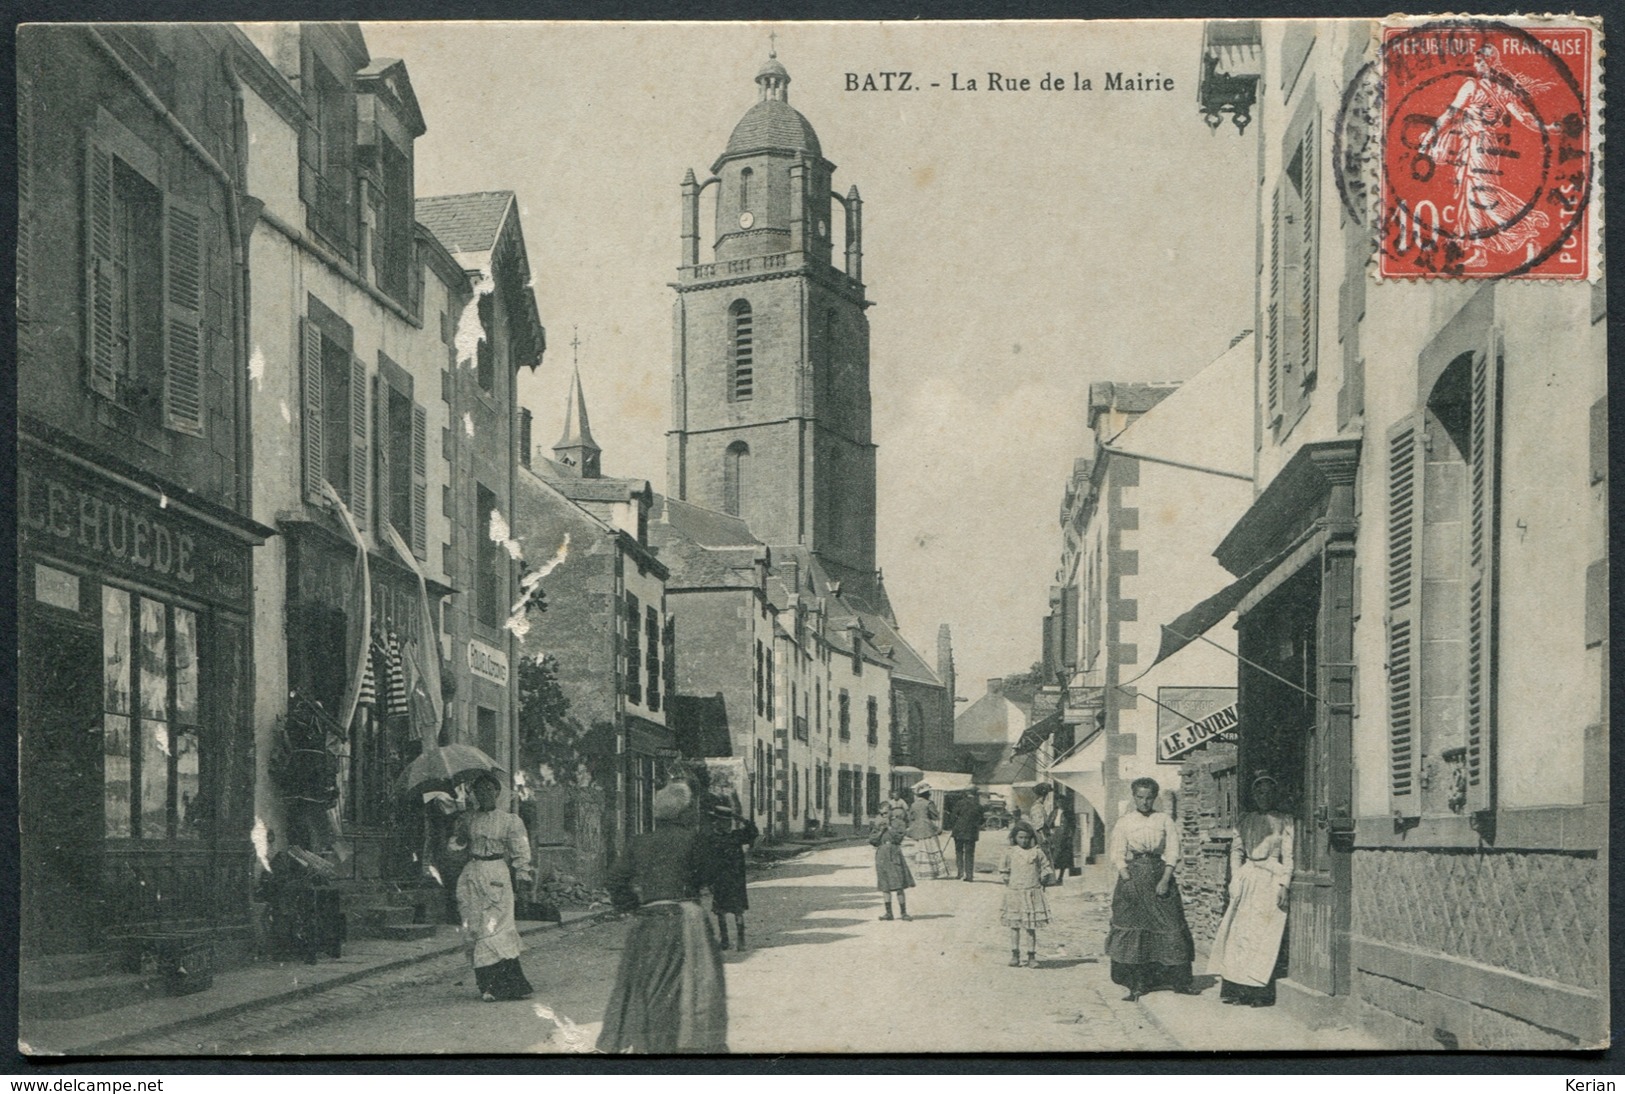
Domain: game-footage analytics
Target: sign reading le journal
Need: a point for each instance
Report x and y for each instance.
(487, 662)
(1193, 735)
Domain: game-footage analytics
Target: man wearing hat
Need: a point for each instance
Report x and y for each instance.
(1248, 941)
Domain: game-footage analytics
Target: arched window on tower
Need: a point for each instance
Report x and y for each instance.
(742, 348)
(744, 189)
(735, 465)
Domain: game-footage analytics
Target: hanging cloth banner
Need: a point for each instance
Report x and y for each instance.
(352, 690)
(428, 660)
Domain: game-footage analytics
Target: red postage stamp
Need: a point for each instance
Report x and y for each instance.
(1486, 151)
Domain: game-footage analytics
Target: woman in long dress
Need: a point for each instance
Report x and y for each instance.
(495, 843)
(669, 995)
(1150, 944)
(925, 829)
(892, 876)
(730, 833)
(1249, 937)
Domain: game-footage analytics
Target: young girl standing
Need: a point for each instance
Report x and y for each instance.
(1024, 870)
(891, 868)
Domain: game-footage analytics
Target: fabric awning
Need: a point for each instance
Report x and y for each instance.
(1197, 621)
(1036, 734)
(1080, 771)
(943, 782)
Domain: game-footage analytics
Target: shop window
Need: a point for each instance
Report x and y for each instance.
(845, 712)
(144, 277)
(874, 720)
(485, 368)
(152, 785)
(491, 571)
(336, 442)
(742, 352)
(1442, 519)
(634, 649)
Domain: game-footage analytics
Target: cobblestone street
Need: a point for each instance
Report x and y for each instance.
(822, 974)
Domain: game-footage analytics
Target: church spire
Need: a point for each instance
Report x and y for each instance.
(575, 447)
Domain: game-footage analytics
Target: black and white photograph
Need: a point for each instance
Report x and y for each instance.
(584, 538)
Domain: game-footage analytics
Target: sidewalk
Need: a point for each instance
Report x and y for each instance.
(247, 989)
(250, 993)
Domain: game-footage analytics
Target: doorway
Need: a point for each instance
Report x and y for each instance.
(61, 791)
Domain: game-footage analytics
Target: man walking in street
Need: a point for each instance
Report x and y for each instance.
(966, 825)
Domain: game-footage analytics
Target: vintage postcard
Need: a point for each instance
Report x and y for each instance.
(570, 537)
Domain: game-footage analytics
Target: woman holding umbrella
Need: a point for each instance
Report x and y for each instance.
(495, 843)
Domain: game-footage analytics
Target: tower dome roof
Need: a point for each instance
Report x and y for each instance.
(773, 123)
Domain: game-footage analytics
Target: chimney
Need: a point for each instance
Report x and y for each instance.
(995, 685)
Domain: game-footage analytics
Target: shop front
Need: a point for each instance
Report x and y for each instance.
(137, 747)
(363, 703)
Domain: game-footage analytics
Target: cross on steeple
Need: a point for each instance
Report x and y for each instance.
(575, 345)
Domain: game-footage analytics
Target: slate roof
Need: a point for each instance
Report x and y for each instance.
(705, 526)
(679, 533)
(773, 124)
(596, 489)
(465, 223)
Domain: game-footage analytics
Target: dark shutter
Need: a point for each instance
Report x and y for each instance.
(420, 486)
(25, 194)
(1308, 273)
(381, 478)
(101, 369)
(359, 465)
(1273, 383)
(1406, 460)
(184, 274)
(1481, 550)
(315, 462)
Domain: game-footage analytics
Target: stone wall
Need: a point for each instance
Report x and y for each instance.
(1529, 912)
(1207, 814)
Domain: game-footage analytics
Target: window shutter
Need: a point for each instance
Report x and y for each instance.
(359, 503)
(1309, 274)
(184, 275)
(381, 488)
(420, 485)
(315, 464)
(101, 368)
(1273, 384)
(25, 193)
(1405, 468)
(1482, 539)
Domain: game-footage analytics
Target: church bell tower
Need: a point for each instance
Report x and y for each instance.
(770, 376)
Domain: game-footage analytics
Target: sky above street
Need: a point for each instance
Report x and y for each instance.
(1018, 245)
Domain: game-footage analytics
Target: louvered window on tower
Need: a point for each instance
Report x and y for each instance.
(742, 380)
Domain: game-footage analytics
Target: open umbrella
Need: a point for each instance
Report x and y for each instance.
(442, 766)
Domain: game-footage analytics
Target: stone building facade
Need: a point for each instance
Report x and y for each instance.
(134, 504)
(1425, 626)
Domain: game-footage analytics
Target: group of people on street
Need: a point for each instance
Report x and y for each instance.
(669, 994)
(1150, 944)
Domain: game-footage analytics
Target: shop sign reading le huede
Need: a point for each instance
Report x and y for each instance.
(487, 662)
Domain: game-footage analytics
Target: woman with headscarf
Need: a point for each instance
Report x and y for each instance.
(1150, 945)
(669, 995)
(496, 844)
(1249, 936)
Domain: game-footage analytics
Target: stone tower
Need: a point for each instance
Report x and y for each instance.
(770, 377)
